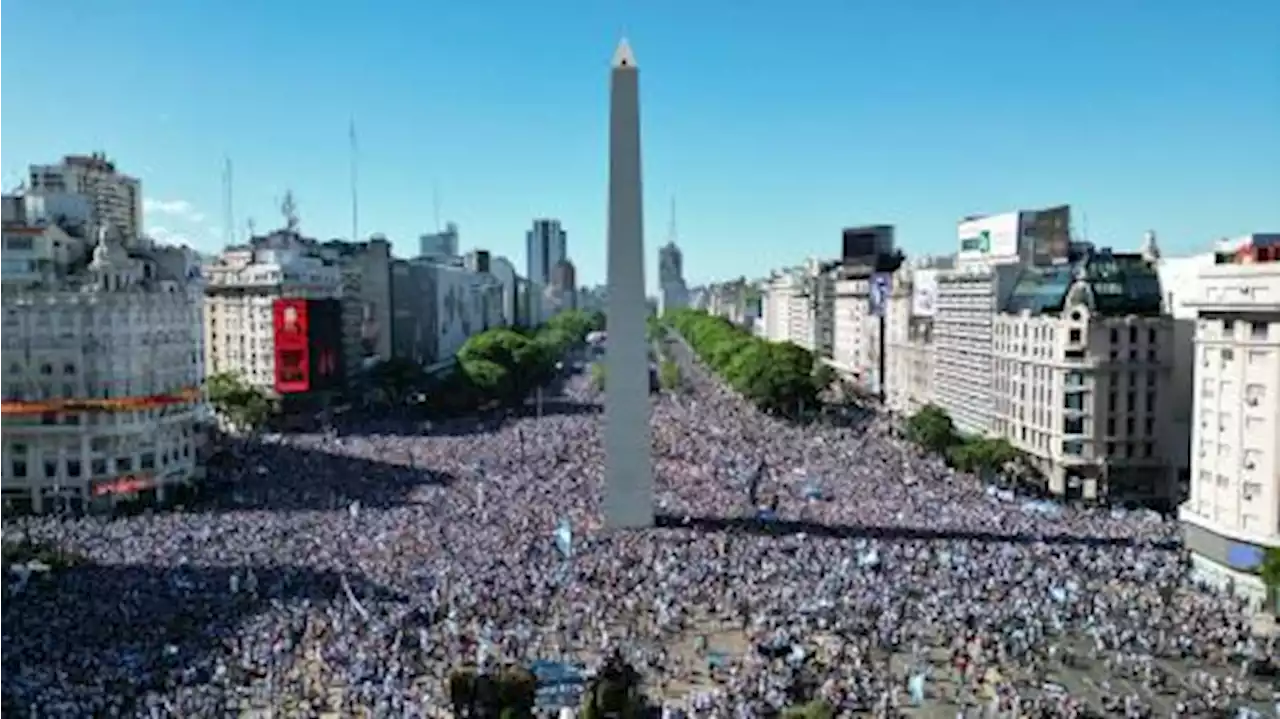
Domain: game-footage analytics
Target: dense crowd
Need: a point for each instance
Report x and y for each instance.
(345, 572)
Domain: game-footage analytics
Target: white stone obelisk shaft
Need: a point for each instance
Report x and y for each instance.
(628, 491)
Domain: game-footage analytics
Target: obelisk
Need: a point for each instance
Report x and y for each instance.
(628, 481)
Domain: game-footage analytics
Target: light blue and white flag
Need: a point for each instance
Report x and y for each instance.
(564, 538)
(915, 687)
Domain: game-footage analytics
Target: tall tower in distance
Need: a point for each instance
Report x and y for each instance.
(628, 490)
(545, 247)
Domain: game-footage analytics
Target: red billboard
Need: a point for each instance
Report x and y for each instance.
(291, 321)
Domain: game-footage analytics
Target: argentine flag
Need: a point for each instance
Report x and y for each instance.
(564, 538)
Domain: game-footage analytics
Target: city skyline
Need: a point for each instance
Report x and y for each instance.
(1139, 134)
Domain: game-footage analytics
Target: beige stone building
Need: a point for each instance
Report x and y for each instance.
(1082, 359)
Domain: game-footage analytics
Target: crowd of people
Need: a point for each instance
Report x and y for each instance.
(347, 572)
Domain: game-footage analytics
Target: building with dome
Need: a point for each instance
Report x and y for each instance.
(102, 368)
(1082, 354)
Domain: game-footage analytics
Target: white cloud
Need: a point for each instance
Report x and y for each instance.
(172, 208)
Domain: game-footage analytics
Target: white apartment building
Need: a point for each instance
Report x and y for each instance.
(909, 351)
(114, 200)
(733, 301)
(1233, 513)
(241, 287)
(855, 331)
(1082, 358)
(1180, 281)
(101, 375)
(797, 305)
(967, 300)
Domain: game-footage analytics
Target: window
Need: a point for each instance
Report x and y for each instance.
(1073, 447)
(1148, 450)
(1074, 336)
(1129, 426)
(1151, 335)
(19, 468)
(98, 467)
(1258, 330)
(46, 369)
(50, 469)
(1149, 425)
(148, 460)
(1111, 426)
(1073, 425)
(1131, 401)
(1115, 335)
(73, 468)
(1133, 334)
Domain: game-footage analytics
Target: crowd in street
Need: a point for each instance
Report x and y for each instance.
(346, 572)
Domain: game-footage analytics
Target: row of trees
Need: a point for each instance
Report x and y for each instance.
(778, 377)
(931, 428)
(500, 366)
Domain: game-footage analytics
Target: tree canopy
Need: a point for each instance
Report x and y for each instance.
(776, 376)
(246, 406)
(931, 428)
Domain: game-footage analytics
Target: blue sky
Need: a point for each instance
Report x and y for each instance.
(774, 124)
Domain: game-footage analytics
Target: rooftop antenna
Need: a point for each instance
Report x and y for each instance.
(249, 225)
(228, 211)
(435, 205)
(671, 230)
(355, 177)
(289, 209)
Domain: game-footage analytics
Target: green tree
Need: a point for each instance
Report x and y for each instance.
(1270, 573)
(931, 428)
(508, 692)
(780, 377)
(246, 406)
(504, 366)
(669, 375)
(615, 692)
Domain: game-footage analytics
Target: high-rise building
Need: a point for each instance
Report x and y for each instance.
(628, 492)
(1180, 280)
(113, 199)
(1080, 357)
(992, 250)
(673, 291)
(545, 246)
(867, 265)
(102, 376)
(563, 289)
(1233, 514)
(443, 243)
(968, 299)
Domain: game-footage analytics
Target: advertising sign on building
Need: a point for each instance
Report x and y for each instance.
(990, 238)
(308, 335)
(881, 286)
(324, 342)
(1046, 234)
(293, 361)
(924, 293)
